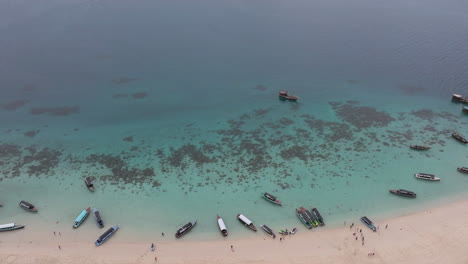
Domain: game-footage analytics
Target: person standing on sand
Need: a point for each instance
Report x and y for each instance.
(386, 226)
(232, 248)
(155, 259)
(162, 233)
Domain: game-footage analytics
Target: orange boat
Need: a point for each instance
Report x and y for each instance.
(284, 96)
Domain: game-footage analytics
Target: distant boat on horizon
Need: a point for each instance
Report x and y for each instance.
(418, 147)
(368, 223)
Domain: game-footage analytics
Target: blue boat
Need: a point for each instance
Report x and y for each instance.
(10, 227)
(106, 235)
(368, 223)
(80, 219)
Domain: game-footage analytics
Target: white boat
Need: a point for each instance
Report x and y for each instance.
(246, 222)
(10, 227)
(222, 226)
(426, 176)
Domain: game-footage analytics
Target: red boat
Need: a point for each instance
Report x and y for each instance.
(284, 95)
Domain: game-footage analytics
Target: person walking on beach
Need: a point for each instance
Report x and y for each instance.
(162, 233)
(155, 259)
(386, 226)
(232, 248)
(152, 247)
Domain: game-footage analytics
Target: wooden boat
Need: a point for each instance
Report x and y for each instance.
(89, 183)
(312, 218)
(460, 138)
(303, 219)
(27, 206)
(268, 231)
(106, 235)
(184, 230)
(81, 217)
(246, 222)
(98, 218)
(418, 147)
(465, 109)
(317, 215)
(10, 227)
(271, 198)
(368, 223)
(222, 226)
(463, 169)
(459, 98)
(404, 193)
(426, 176)
(284, 96)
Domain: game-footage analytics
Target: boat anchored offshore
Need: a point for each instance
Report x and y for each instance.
(89, 184)
(463, 169)
(459, 98)
(27, 206)
(465, 109)
(303, 218)
(98, 218)
(106, 235)
(246, 222)
(268, 231)
(404, 193)
(418, 147)
(184, 230)
(368, 223)
(271, 198)
(81, 217)
(283, 95)
(426, 176)
(460, 138)
(222, 226)
(10, 227)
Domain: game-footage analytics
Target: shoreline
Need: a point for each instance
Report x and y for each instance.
(429, 236)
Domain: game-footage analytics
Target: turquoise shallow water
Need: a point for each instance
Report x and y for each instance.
(173, 108)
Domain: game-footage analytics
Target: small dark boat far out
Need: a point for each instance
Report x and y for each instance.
(459, 98)
(368, 223)
(404, 193)
(426, 176)
(463, 169)
(222, 226)
(268, 231)
(283, 95)
(106, 235)
(246, 222)
(89, 184)
(271, 198)
(185, 229)
(27, 206)
(418, 147)
(460, 138)
(10, 227)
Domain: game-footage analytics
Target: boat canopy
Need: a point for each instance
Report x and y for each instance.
(10, 225)
(81, 216)
(244, 219)
(221, 224)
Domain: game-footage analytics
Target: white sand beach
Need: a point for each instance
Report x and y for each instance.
(438, 235)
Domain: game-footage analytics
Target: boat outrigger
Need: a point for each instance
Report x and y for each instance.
(10, 227)
(89, 184)
(283, 95)
(426, 176)
(418, 147)
(460, 138)
(98, 218)
(463, 169)
(81, 217)
(246, 222)
(368, 223)
(27, 206)
(459, 98)
(106, 235)
(317, 215)
(268, 231)
(271, 198)
(303, 218)
(404, 193)
(312, 218)
(184, 229)
(222, 226)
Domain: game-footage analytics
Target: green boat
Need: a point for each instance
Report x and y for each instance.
(313, 219)
(271, 198)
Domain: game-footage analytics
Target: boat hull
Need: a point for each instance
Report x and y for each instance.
(28, 207)
(301, 217)
(12, 228)
(277, 202)
(104, 237)
(463, 170)
(368, 223)
(396, 192)
(185, 229)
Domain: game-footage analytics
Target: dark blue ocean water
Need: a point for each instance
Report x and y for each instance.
(170, 104)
